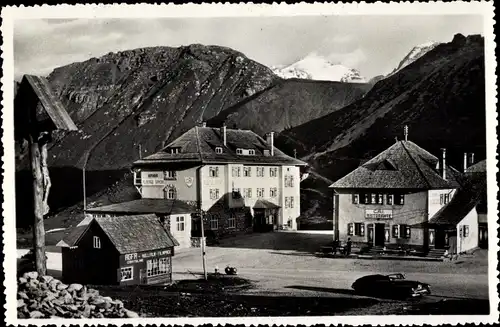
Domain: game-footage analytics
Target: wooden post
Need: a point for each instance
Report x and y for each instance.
(38, 205)
(203, 254)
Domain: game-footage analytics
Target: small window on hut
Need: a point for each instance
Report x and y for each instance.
(127, 273)
(97, 242)
(218, 150)
(355, 198)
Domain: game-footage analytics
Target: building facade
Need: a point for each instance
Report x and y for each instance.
(119, 250)
(399, 198)
(241, 181)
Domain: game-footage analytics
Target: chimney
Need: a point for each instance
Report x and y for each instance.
(223, 134)
(442, 166)
(270, 141)
(471, 162)
(406, 132)
(204, 124)
(465, 162)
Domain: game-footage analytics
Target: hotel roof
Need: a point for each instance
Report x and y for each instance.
(198, 145)
(404, 165)
(145, 206)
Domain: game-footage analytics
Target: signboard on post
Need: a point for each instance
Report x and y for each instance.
(378, 214)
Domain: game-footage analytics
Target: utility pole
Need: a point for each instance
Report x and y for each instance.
(84, 191)
(140, 151)
(203, 253)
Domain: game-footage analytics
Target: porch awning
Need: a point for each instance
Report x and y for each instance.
(264, 204)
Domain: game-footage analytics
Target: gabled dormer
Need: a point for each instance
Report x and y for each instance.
(245, 152)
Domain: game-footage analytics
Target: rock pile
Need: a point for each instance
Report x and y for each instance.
(47, 297)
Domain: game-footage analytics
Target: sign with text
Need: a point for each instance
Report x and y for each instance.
(135, 258)
(378, 214)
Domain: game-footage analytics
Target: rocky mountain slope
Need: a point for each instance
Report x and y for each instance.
(415, 53)
(316, 67)
(440, 96)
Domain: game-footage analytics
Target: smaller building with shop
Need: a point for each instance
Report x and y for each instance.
(119, 250)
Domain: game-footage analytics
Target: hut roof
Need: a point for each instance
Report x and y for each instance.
(136, 233)
(404, 165)
(198, 145)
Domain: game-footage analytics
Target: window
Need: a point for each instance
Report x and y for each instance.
(390, 199)
(273, 172)
(273, 192)
(359, 229)
(175, 150)
(380, 199)
(350, 229)
(169, 174)
(214, 193)
(127, 273)
(289, 181)
(367, 199)
(213, 172)
(444, 198)
(156, 267)
(218, 150)
(247, 171)
(214, 222)
(355, 198)
(395, 231)
(373, 198)
(137, 178)
(291, 202)
(236, 171)
(239, 151)
(97, 242)
(400, 199)
(465, 230)
(248, 193)
(231, 222)
(260, 171)
(171, 193)
(260, 192)
(288, 202)
(236, 193)
(401, 231)
(180, 223)
(251, 152)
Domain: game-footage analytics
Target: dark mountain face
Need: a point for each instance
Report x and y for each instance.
(289, 103)
(441, 97)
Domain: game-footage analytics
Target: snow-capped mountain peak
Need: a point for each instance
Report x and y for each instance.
(414, 54)
(316, 67)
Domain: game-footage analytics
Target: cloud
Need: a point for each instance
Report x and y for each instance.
(371, 44)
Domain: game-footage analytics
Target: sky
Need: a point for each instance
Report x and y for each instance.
(373, 45)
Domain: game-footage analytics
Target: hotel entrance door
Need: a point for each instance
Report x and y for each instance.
(379, 234)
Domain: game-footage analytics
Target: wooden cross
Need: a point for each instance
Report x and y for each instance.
(38, 112)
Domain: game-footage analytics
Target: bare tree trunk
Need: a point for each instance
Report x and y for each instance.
(38, 194)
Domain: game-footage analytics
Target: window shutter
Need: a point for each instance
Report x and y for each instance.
(395, 230)
(362, 230)
(350, 228)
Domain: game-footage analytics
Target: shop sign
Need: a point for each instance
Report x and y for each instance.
(378, 214)
(135, 258)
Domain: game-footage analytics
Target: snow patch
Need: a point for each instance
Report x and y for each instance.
(316, 67)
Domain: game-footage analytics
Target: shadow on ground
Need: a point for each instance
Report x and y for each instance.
(288, 241)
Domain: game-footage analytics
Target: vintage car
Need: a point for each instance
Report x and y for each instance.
(392, 285)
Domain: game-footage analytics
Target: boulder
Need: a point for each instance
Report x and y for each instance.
(30, 275)
(61, 286)
(36, 314)
(22, 280)
(130, 314)
(75, 287)
(20, 303)
(22, 295)
(45, 279)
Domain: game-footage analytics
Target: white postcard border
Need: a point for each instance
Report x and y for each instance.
(9, 14)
